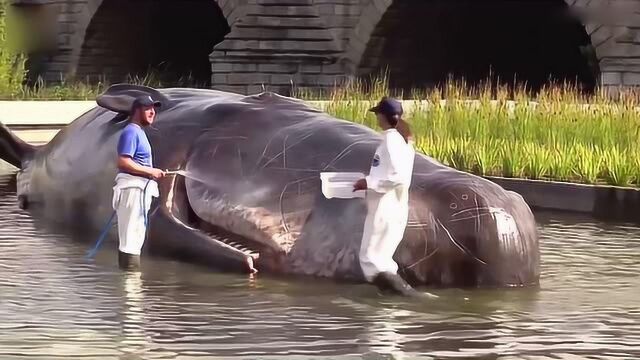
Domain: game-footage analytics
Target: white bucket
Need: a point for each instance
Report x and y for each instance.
(340, 185)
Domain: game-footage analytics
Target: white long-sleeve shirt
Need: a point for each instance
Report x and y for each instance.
(392, 163)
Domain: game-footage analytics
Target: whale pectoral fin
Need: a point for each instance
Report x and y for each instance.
(169, 236)
(13, 149)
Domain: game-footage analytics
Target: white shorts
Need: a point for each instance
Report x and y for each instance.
(128, 204)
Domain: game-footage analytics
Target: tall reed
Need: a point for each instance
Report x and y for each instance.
(559, 134)
(12, 71)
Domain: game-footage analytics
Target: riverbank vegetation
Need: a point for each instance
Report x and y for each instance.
(558, 134)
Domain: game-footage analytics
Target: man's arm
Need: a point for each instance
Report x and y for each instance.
(126, 164)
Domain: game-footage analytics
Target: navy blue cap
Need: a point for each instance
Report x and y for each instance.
(144, 100)
(388, 106)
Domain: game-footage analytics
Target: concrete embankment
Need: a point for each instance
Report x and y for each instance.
(601, 201)
(38, 121)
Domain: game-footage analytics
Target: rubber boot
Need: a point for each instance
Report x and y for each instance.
(395, 283)
(128, 261)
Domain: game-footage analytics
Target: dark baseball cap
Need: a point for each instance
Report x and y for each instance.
(144, 100)
(388, 106)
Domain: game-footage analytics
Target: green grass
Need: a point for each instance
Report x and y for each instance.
(12, 63)
(550, 136)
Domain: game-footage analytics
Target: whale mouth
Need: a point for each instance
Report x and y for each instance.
(180, 208)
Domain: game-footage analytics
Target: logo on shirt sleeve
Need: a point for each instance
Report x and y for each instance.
(376, 160)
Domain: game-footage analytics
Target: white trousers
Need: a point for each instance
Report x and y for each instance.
(131, 224)
(128, 203)
(384, 227)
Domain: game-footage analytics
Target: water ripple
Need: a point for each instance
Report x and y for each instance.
(54, 304)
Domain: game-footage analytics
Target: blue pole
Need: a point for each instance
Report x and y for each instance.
(93, 251)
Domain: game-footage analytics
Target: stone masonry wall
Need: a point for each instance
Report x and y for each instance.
(106, 51)
(282, 46)
(314, 43)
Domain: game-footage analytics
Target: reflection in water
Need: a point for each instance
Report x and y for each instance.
(134, 338)
(384, 334)
(55, 304)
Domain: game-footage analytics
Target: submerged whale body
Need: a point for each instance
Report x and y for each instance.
(253, 188)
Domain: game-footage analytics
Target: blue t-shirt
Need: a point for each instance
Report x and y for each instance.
(134, 143)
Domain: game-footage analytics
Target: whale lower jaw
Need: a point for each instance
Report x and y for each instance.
(231, 227)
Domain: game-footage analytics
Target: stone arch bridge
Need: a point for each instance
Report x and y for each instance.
(248, 45)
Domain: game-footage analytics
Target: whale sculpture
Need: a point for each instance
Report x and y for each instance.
(253, 189)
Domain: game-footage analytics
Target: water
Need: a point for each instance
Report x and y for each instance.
(55, 304)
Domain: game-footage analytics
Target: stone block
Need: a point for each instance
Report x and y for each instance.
(246, 79)
(330, 80)
(221, 67)
(611, 78)
(281, 10)
(244, 67)
(333, 69)
(631, 78)
(269, 22)
(66, 28)
(601, 35)
(64, 42)
(217, 56)
(256, 89)
(331, 2)
(349, 10)
(298, 46)
(619, 50)
(631, 36)
(66, 17)
(278, 34)
(238, 45)
(311, 68)
(219, 79)
(325, 9)
(76, 8)
(341, 21)
(611, 63)
(282, 79)
(285, 2)
(278, 68)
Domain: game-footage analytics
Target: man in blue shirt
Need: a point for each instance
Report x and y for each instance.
(134, 149)
(135, 182)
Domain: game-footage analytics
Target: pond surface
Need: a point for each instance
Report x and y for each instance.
(56, 304)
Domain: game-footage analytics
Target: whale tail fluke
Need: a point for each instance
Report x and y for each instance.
(13, 149)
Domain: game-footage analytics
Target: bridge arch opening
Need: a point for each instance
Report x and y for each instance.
(160, 40)
(423, 43)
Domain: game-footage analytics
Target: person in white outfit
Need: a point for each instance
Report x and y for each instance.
(387, 198)
(135, 182)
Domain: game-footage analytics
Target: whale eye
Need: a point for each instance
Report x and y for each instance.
(465, 196)
(453, 206)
